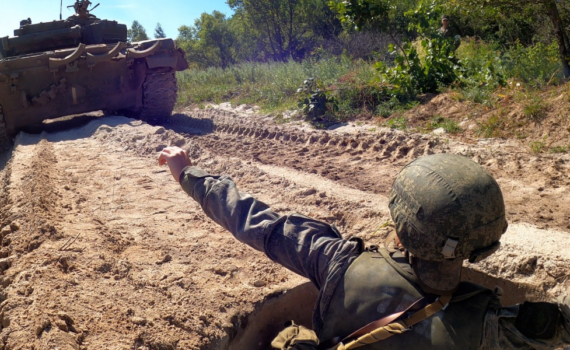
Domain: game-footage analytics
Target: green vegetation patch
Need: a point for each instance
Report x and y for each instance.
(537, 146)
(368, 58)
(399, 123)
(534, 108)
(492, 127)
(450, 126)
(558, 149)
(273, 86)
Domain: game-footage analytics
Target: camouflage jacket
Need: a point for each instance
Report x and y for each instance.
(450, 34)
(316, 250)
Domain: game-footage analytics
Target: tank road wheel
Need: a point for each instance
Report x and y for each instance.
(5, 142)
(159, 95)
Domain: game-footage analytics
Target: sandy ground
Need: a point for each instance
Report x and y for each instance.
(102, 250)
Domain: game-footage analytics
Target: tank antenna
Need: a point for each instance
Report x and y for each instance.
(60, 9)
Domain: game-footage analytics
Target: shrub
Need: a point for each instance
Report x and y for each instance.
(536, 65)
(411, 75)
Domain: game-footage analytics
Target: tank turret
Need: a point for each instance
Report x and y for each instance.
(82, 27)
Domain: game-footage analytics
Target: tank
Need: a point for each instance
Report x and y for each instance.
(83, 64)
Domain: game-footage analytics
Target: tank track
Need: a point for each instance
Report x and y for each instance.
(5, 141)
(159, 95)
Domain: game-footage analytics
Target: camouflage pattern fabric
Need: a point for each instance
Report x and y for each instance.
(450, 34)
(446, 208)
(310, 248)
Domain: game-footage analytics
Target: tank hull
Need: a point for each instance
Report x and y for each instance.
(50, 84)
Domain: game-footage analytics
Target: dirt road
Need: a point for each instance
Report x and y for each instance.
(102, 250)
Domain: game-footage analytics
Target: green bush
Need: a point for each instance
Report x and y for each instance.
(536, 65)
(412, 75)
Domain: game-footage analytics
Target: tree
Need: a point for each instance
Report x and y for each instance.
(159, 32)
(361, 12)
(210, 42)
(137, 32)
(284, 27)
(527, 9)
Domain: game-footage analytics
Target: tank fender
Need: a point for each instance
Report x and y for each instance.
(181, 63)
(163, 60)
(175, 61)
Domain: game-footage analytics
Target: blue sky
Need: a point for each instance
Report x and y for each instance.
(170, 13)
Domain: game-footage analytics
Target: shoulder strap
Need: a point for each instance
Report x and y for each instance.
(368, 328)
(399, 327)
(386, 255)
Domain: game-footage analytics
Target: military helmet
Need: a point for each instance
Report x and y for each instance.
(446, 208)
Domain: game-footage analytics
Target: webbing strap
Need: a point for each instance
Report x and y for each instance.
(398, 327)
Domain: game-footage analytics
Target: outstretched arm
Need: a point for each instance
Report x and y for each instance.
(303, 245)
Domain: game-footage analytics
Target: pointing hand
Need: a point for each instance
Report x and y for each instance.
(176, 158)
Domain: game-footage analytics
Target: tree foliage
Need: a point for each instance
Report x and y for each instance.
(527, 10)
(159, 32)
(137, 32)
(280, 30)
(210, 42)
(507, 21)
(283, 29)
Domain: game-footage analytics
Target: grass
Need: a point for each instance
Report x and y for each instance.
(272, 86)
(355, 91)
(450, 126)
(394, 106)
(558, 149)
(537, 146)
(492, 127)
(534, 108)
(397, 123)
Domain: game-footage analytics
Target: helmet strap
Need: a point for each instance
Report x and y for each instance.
(390, 242)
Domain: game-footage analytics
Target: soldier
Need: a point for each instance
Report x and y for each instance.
(446, 209)
(448, 32)
(80, 8)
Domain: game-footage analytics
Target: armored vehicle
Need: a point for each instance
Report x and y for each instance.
(83, 64)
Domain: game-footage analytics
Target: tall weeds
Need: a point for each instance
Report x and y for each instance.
(271, 85)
